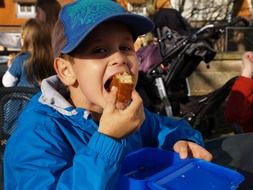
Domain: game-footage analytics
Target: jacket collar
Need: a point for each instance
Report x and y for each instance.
(54, 94)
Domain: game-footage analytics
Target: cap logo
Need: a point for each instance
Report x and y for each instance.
(79, 18)
(88, 12)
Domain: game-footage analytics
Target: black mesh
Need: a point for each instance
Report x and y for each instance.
(12, 102)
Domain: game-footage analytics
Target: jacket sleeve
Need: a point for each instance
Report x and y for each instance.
(9, 80)
(165, 131)
(42, 159)
(12, 75)
(239, 105)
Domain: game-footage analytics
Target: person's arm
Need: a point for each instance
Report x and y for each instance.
(238, 108)
(11, 76)
(174, 134)
(9, 80)
(48, 158)
(95, 167)
(169, 130)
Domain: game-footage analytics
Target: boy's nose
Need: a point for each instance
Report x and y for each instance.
(118, 58)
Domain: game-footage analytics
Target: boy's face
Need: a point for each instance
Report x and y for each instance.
(108, 50)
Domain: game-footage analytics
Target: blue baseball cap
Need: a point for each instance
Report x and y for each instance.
(76, 20)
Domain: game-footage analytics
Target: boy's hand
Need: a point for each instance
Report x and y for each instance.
(187, 148)
(117, 123)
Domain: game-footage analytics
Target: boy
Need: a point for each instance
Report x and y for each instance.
(73, 135)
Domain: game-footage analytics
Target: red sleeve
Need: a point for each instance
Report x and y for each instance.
(239, 105)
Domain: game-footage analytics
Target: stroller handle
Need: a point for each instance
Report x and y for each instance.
(220, 28)
(213, 31)
(233, 22)
(204, 28)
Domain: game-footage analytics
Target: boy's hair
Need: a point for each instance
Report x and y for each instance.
(37, 41)
(77, 20)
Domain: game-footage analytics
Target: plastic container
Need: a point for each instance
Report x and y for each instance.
(155, 169)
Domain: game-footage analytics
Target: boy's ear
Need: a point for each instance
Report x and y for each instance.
(65, 71)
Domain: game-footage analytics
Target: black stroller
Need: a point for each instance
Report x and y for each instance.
(163, 87)
(180, 49)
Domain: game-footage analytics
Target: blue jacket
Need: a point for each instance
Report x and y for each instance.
(57, 146)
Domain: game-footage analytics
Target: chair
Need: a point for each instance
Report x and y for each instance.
(234, 152)
(12, 102)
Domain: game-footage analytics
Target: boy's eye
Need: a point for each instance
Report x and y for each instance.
(126, 48)
(99, 50)
(105, 50)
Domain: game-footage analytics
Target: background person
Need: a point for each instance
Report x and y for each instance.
(35, 60)
(47, 11)
(239, 106)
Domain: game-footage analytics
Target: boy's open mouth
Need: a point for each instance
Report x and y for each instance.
(107, 84)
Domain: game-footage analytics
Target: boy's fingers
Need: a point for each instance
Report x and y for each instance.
(183, 152)
(182, 149)
(111, 101)
(204, 154)
(137, 99)
(200, 152)
(207, 156)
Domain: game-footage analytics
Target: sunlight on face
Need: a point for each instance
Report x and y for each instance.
(109, 49)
